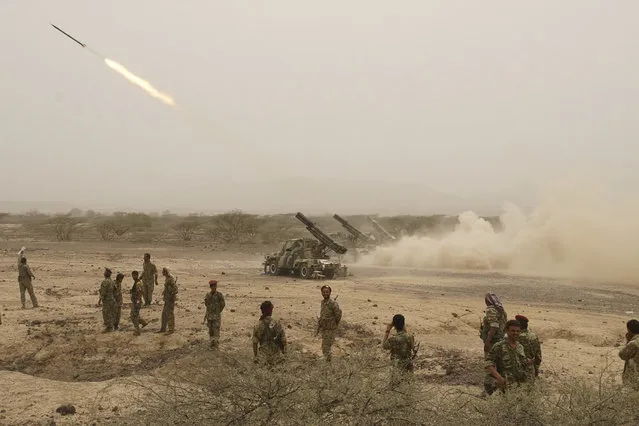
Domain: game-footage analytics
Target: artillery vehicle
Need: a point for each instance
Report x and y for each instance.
(306, 257)
(387, 236)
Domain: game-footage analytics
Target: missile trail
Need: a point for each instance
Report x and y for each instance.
(120, 69)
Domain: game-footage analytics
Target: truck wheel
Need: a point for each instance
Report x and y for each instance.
(273, 269)
(305, 272)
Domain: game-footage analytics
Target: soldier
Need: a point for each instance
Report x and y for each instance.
(268, 336)
(117, 292)
(25, 275)
(494, 323)
(531, 344)
(330, 316)
(401, 345)
(107, 300)
(630, 355)
(137, 295)
(149, 278)
(169, 294)
(506, 363)
(214, 302)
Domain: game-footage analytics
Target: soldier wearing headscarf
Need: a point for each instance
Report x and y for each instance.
(493, 325)
(630, 355)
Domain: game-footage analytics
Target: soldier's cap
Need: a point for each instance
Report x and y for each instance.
(521, 318)
(212, 283)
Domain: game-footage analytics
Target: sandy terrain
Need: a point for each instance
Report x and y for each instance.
(56, 354)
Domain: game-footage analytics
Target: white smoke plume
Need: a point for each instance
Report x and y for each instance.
(574, 233)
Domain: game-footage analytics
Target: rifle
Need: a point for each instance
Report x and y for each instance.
(415, 350)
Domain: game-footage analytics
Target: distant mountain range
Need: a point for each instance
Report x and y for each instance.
(289, 195)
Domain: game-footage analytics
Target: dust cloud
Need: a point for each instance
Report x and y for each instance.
(574, 232)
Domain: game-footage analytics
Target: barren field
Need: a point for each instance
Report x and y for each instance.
(56, 354)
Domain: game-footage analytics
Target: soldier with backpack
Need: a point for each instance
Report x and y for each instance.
(137, 297)
(269, 339)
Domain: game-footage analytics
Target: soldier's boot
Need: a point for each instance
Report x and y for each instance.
(143, 323)
(171, 331)
(107, 330)
(137, 332)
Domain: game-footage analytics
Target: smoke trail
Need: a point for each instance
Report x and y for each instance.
(145, 85)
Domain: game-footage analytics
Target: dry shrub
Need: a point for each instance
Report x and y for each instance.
(186, 228)
(63, 226)
(234, 227)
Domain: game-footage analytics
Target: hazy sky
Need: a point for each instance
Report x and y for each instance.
(466, 97)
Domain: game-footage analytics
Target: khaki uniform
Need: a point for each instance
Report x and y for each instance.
(630, 354)
(149, 272)
(270, 336)
(330, 316)
(532, 347)
(510, 362)
(25, 275)
(214, 306)
(137, 296)
(170, 295)
(493, 317)
(107, 298)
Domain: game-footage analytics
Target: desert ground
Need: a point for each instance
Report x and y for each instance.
(56, 354)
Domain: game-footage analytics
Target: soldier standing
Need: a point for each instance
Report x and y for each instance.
(25, 275)
(117, 292)
(401, 345)
(268, 336)
(494, 323)
(506, 363)
(169, 294)
(531, 344)
(107, 300)
(137, 295)
(149, 278)
(630, 355)
(330, 316)
(214, 302)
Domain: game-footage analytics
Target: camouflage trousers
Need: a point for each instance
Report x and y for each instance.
(147, 292)
(328, 338)
(135, 317)
(214, 330)
(26, 286)
(108, 315)
(168, 317)
(117, 313)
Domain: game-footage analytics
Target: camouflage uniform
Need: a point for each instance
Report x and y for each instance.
(330, 316)
(214, 306)
(107, 298)
(25, 275)
(510, 363)
(169, 294)
(532, 348)
(270, 336)
(630, 354)
(137, 295)
(401, 348)
(117, 310)
(149, 272)
(493, 317)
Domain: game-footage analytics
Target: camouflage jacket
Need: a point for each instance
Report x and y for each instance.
(149, 271)
(214, 305)
(630, 354)
(107, 292)
(137, 293)
(270, 336)
(493, 318)
(510, 362)
(401, 346)
(117, 291)
(532, 346)
(170, 289)
(330, 314)
(24, 272)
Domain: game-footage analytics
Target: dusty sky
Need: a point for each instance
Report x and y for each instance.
(472, 98)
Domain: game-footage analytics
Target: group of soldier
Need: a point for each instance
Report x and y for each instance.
(512, 351)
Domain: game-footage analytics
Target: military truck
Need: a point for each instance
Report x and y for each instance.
(306, 257)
